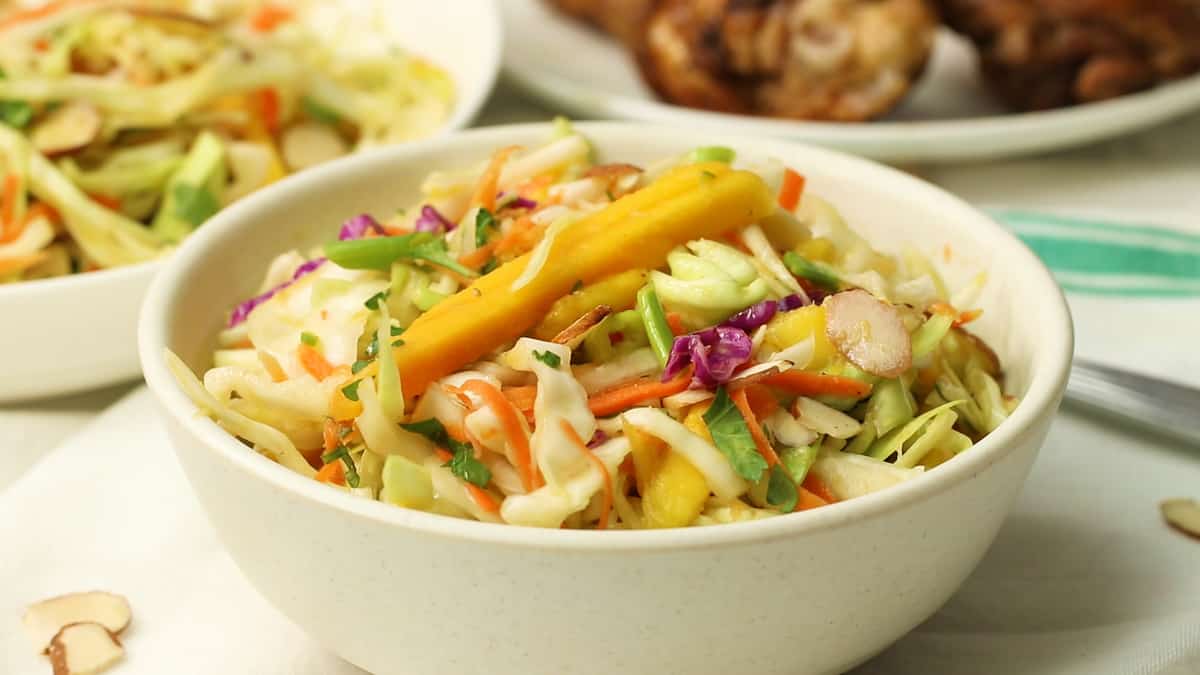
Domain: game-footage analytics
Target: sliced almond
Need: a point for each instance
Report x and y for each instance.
(309, 144)
(759, 371)
(1182, 515)
(572, 335)
(868, 332)
(84, 649)
(686, 399)
(43, 620)
(69, 127)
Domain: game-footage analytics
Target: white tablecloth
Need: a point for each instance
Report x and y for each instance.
(1084, 578)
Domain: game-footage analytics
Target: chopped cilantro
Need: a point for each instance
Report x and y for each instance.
(484, 221)
(358, 366)
(396, 330)
(194, 204)
(547, 357)
(343, 453)
(351, 390)
(490, 265)
(577, 285)
(463, 464)
(372, 302)
(732, 437)
(319, 112)
(309, 339)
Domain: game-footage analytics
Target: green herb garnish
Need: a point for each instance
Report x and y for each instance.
(491, 264)
(548, 357)
(484, 221)
(372, 302)
(318, 112)
(343, 453)
(732, 437)
(351, 390)
(358, 366)
(463, 464)
(308, 339)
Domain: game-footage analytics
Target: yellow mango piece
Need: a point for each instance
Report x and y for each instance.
(694, 421)
(788, 328)
(618, 291)
(676, 493)
(647, 451)
(819, 249)
(636, 231)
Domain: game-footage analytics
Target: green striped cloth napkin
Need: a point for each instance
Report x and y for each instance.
(1133, 287)
(1100, 257)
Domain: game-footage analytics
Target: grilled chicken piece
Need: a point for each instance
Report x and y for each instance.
(843, 60)
(1040, 54)
(623, 19)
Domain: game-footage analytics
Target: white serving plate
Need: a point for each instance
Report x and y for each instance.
(407, 592)
(949, 116)
(62, 336)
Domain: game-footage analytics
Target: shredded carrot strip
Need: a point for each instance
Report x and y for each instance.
(607, 507)
(793, 187)
(477, 257)
(329, 435)
(615, 400)
(807, 500)
(268, 17)
(314, 362)
(107, 201)
(8, 216)
(531, 188)
(807, 383)
(269, 109)
(521, 236)
(42, 210)
(333, 472)
(482, 498)
(522, 397)
(485, 191)
(676, 323)
(511, 424)
(756, 432)
(819, 488)
(761, 400)
(967, 317)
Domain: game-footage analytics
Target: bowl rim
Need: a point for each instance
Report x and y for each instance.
(467, 107)
(1054, 350)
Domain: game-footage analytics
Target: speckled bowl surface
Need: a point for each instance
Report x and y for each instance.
(398, 591)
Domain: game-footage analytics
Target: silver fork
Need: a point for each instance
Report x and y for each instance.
(1149, 403)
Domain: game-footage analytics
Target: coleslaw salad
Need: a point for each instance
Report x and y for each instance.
(547, 342)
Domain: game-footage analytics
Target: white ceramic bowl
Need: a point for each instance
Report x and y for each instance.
(399, 591)
(67, 335)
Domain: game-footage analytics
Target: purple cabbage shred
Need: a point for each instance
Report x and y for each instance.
(242, 311)
(431, 220)
(358, 226)
(715, 352)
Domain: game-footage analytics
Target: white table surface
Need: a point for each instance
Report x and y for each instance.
(1155, 175)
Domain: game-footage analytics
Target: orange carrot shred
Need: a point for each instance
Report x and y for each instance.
(477, 257)
(485, 191)
(329, 435)
(756, 432)
(676, 323)
(793, 187)
(522, 397)
(268, 104)
(807, 383)
(607, 506)
(333, 472)
(761, 400)
(269, 17)
(314, 362)
(514, 433)
(8, 217)
(615, 400)
(819, 488)
(807, 500)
